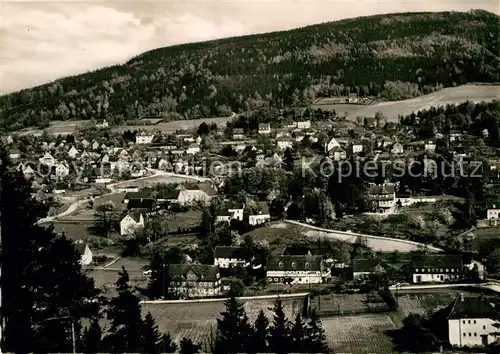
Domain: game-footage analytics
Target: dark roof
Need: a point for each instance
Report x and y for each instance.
(203, 271)
(437, 261)
(364, 265)
(229, 252)
(381, 190)
(80, 247)
(494, 205)
(138, 195)
(135, 215)
(291, 263)
(238, 131)
(141, 204)
(169, 194)
(472, 307)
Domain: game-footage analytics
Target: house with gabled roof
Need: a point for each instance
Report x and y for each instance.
(264, 128)
(229, 257)
(194, 280)
(62, 169)
(131, 222)
(48, 159)
(144, 137)
(238, 134)
(73, 152)
(95, 145)
(382, 197)
(472, 322)
(307, 269)
(85, 252)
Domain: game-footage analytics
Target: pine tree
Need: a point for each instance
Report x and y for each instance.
(298, 333)
(233, 329)
(260, 328)
(125, 316)
(151, 335)
(316, 338)
(44, 292)
(91, 340)
(188, 347)
(279, 340)
(167, 344)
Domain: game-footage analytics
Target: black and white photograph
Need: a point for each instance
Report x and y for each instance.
(250, 176)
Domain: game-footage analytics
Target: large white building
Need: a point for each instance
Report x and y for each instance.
(382, 197)
(228, 257)
(437, 268)
(131, 222)
(194, 280)
(297, 270)
(144, 138)
(471, 322)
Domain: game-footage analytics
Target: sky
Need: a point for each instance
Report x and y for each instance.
(41, 40)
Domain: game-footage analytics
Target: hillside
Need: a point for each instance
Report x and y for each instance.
(393, 56)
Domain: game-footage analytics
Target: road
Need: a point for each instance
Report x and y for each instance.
(377, 243)
(494, 286)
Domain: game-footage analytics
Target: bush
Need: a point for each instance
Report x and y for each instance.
(96, 242)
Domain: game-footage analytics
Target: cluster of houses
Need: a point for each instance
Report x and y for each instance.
(204, 280)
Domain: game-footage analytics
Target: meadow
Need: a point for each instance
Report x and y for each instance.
(391, 109)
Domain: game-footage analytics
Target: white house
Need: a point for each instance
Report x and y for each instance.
(85, 252)
(144, 138)
(357, 147)
(228, 257)
(471, 322)
(62, 169)
(437, 268)
(397, 148)
(296, 269)
(259, 219)
(198, 140)
(95, 145)
(102, 125)
(73, 152)
(382, 197)
(284, 143)
(305, 124)
(28, 171)
(185, 194)
(235, 212)
(85, 143)
(333, 143)
(493, 211)
(238, 134)
(131, 222)
(48, 160)
(265, 128)
(9, 140)
(430, 147)
(193, 149)
(14, 154)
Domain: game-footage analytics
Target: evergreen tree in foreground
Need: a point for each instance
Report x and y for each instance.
(188, 347)
(298, 335)
(92, 336)
(44, 292)
(260, 337)
(234, 331)
(279, 339)
(315, 334)
(151, 336)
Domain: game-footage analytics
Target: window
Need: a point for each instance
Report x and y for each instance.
(280, 264)
(470, 334)
(447, 270)
(465, 334)
(453, 270)
(463, 321)
(484, 327)
(475, 334)
(440, 270)
(294, 265)
(469, 321)
(474, 321)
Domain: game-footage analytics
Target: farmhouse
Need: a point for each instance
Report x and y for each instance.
(284, 142)
(86, 254)
(144, 138)
(296, 270)
(48, 160)
(437, 268)
(189, 194)
(265, 128)
(238, 134)
(73, 152)
(130, 223)
(62, 169)
(383, 197)
(471, 322)
(194, 280)
(137, 196)
(362, 268)
(228, 257)
(260, 218)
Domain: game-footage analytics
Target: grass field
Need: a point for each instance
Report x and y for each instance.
(151, 181)
(195, 320)
(348, 304)
(173, 126)
(454, 95)
(359, 334)
(190, 218)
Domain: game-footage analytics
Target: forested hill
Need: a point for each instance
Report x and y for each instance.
(392, 56)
